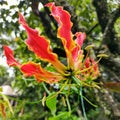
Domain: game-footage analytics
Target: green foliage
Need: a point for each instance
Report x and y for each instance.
(3, 74)
(51, 103)
(64, 116)
(117, 27)
(3, 71)
(5, 105)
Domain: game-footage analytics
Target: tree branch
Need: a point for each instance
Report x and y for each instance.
(112, 64)
(109, 36)
(92, 28)
(107, 21)
(102, 12)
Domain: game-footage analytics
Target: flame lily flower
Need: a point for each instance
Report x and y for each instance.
(42, 49)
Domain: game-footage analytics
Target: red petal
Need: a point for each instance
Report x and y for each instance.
(94, 70)
(40, 46)
(10, 57)
(87, 62)
(29, 69)
(64, 31)
(33, 69)
(77, 53)
(80, 38)
(95, 65)
(77, 56)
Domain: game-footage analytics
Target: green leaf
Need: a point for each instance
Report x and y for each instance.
(61, 116)
(51, 103)
(89, 47)
(43, 100)
(102, 55)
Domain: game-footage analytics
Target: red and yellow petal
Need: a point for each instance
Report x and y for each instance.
(95, 65)
(40, 45)
(96, 71)
(65, 24)
(87, 62)
(77, 56)
(91, 67)
(34, 69)
(77, 53)
(64, 30)
(80, 37)
(10, 56)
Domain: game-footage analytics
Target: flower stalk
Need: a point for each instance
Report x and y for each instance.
(77, 81)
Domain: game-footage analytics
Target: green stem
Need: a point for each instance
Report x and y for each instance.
(82, 103)
(68, 104)
(48, 92)
(81, 96)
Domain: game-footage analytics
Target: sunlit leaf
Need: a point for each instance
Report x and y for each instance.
(63, 101)
(61, 116)
(51, 103)
(102, 55)
(89, 47)
(43, 100)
